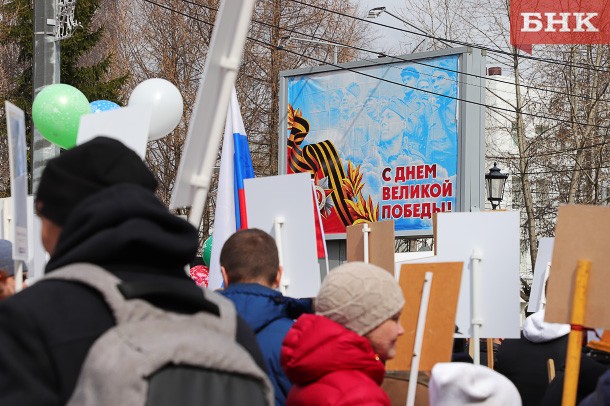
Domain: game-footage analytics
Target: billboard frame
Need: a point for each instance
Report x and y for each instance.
(470, 190)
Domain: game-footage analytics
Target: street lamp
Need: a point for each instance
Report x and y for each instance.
(495, 181)
(315, 41)
(377, 11)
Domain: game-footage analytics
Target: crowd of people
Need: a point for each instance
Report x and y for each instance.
(98, 208)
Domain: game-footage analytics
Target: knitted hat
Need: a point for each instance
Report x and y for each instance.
(359, 296)
(462, 384)
(6, 257)
(85, 170)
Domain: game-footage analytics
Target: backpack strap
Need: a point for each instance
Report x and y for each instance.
(97, 278)
(126, 309)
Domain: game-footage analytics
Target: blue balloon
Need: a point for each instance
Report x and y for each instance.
(103, 105)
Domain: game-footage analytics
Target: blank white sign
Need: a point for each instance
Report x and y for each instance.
(543, 259)
(129, 125)
(289, 197)
(496, 236)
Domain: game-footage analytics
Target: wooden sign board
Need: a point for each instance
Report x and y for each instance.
(381, 244)
(582, 233)
(440, 321)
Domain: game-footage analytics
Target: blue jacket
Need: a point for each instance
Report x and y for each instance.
(270, 315)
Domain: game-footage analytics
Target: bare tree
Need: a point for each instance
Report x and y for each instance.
(484, 22)
(12, 64)
(582, 106)
(170, 40)
(268, 53)
(558, 112)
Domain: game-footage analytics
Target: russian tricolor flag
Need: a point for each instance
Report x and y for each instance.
(235, 166)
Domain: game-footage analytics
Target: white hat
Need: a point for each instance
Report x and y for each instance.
(462, 384)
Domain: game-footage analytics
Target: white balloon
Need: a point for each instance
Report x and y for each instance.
(165, 101)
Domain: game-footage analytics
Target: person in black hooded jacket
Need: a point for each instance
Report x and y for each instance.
(524, 360)
(97, 205)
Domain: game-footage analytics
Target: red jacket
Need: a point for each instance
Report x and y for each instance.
(331, 365)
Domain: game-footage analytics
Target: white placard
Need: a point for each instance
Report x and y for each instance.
(37, 256)
(289, 197)
(543, 260)
(496, 236)
(129, 125)
(15, 125)
(402, 257)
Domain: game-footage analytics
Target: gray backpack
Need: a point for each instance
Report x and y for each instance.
(154, 357)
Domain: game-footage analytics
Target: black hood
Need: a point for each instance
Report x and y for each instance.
(126, 226)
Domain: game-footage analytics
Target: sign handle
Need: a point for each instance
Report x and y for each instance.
(490, 353)
(18, 276)
(550, 369)
(476, 321)
(277, 229)
(366, 230)
(419, 338)
(577, 319)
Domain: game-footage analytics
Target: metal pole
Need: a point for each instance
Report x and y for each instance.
(46, 72)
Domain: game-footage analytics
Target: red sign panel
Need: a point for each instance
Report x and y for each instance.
(559, 22)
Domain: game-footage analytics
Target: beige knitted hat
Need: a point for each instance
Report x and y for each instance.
(359, 296)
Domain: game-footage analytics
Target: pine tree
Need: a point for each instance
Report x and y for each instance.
(85, 64)
(91, 79)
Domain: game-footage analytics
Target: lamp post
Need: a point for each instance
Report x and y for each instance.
(495, 181)
(315, 41)
(377, 11)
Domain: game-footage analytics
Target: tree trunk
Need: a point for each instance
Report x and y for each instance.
(274, 79)
(526, 187)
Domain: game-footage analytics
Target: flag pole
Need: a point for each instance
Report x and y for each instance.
(200, 149)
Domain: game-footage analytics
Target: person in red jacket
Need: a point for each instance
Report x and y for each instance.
(336, 356)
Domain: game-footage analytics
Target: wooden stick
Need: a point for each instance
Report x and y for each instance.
(550, 369)
(577, 319)
(490, 353)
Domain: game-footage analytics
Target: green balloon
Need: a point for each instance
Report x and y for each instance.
(56, 112)
(206, 251)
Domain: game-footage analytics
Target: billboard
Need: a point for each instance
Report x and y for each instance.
(381, 140)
